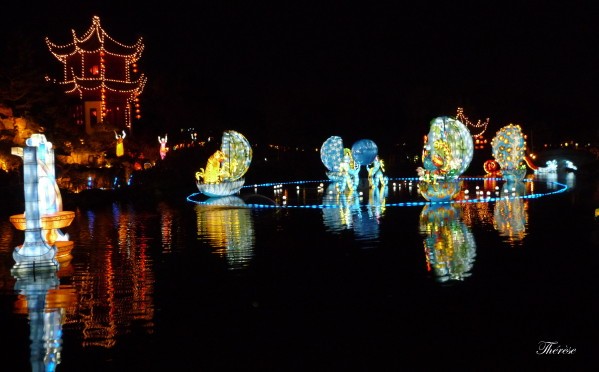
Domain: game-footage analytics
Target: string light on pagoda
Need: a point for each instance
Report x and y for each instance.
(89, 70)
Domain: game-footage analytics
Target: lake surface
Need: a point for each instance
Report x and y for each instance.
(294, 276)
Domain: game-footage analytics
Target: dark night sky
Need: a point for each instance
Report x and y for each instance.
(291, 71)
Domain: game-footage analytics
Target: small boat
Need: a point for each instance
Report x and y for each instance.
(225, 188)
(223, 175)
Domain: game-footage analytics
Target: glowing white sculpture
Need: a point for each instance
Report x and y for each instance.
(551, 167)
(43, 215)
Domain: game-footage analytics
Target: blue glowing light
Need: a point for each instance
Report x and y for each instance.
(319, 199)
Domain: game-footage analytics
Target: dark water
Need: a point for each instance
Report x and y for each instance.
(369, 282)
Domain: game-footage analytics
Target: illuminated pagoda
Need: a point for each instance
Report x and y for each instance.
(103, 73)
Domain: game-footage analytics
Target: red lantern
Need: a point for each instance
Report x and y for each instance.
(491, 166)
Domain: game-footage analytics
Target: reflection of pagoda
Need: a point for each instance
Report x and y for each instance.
(103, 73)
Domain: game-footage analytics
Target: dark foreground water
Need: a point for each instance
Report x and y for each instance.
(375, 282)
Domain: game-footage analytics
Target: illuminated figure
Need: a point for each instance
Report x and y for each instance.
(509, 148)
(343, 177)
(353, 168)
(376, 171)
(347, 177)
(223, 175)
(214, 172)
(120, 147)
(446, 154)
(43, 215)
(163, 148)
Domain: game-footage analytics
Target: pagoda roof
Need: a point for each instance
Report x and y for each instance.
(95, 39)
(115, 86)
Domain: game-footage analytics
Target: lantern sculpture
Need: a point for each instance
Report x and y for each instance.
(509, 148)
(376, 173)
(223, 175)
(446, 154)
(341, 165)
(120, 147)
(492, 168)
(163, 148)
(43, 217)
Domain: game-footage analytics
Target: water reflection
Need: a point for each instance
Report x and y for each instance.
(113, 274)
(449, 244)
(226, 224)
(109, 298)
(510, 213)
(549, 179)
(347, 211)
(45, 303)
(166, 227)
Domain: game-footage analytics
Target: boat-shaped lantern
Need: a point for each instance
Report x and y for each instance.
(225, 169)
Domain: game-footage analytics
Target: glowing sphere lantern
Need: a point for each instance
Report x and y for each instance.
(450, 147)
(364, 151)
(447, 153)
(508, 150)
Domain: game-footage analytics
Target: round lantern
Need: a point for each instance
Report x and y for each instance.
(364, 151)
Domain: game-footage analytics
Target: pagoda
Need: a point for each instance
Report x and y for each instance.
(103, 74)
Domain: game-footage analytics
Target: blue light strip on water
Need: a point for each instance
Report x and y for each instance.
(214, 201)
